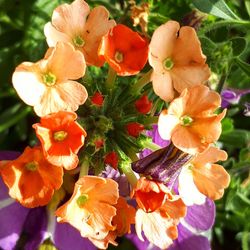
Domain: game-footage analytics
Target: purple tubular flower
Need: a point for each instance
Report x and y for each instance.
(232, 96)
(162, 165)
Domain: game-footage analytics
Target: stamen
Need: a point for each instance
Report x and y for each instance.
(186, 120)
(32, 166)
(118, 56)
(60, 135)
(81, 200)
(168, 64)
(78, 41)
(49, 79)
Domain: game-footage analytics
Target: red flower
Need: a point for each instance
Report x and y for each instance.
(143, 105)
(134, 128)
(111, 159)
(97, 99)
(124, 50)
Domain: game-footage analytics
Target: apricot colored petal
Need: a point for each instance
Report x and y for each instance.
(166, 124)
(70, 18)
(187, 50)
(103, 243)
(201, 101)
(53, 35)
(188, 190)
(27, 82)
(191, 144)
(163, 42)
(174, 209)
(44, 135)
(210, 155)
(97, 25)
(67, 96)
(162, 85)
(189, 76)
(211, 180)
(157, 229)
(178, 106)
(66, 63)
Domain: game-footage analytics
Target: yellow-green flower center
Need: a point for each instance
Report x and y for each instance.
(31, 166)
(60, 135)
(78, 41)
(49, 79)
(186, 120)
(168, 64)
(81, 200)
(118, 56)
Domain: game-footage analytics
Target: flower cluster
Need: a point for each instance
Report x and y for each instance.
(76, 152)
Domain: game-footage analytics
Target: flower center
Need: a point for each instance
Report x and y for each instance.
(78, 41)
(49, 79)
(31, 166)
(60, 135)
(118, 56)
(186, 120)
(81, 200)
(168, 64)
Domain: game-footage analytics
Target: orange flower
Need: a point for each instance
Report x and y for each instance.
(210, 179)
(69, 24)
(150, 195)
(176, 57)
(124, 50)
(160, 226)
(61, 138)
(91, 208)
(190, 120)
(47, 84)
(31, 179)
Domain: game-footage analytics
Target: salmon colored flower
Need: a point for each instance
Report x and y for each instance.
(48, 84)
(31, 179)
(160, 226)
(125, 216)
(74, 23)
(92, 208)
(143, 105)
(176, 57)
(210, 179)
(61, 138)
(190, 120)
(124, 50)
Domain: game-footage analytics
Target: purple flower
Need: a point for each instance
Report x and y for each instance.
(247, 109)
(232, 96)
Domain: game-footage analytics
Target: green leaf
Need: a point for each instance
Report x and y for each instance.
(243, 65)
(10, 37)
(215, 7)
(208, 46)
(238, 138)
(245, 154)
(227, 125)
(247, 4)
(238, 45)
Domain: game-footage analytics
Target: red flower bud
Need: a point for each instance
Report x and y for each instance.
(97, 99)
(134, 128)
(111, 159)
(99, 143)
(143, 105)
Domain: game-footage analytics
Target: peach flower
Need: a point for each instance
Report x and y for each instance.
(207, 178)
(92, 208)
(47, 84)
(61, 138)
(74, 23)
(31, 179)
(190, 121)
(176, 57)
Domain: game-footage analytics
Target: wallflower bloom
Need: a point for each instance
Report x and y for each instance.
(91, 209)
(74, 23)
(176, 57)
(31, 179)
(124, 50)
(47, 84)
(190, 120)
(204, 178)
(61, 138)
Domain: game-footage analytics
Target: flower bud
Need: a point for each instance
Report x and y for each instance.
(134, 128)
(143, 105)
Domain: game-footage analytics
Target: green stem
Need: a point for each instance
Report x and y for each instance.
(150, 120)
(15, 119)
(110, 78)
(150, 145)
(143, 81)
(221, 82)
(127, 170)
(84, 169)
